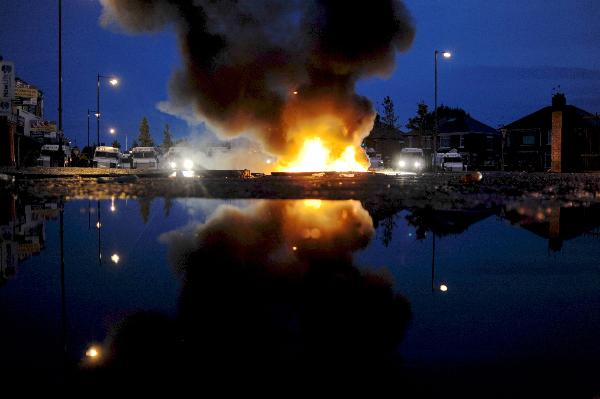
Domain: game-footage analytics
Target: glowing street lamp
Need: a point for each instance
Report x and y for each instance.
(115, 258)
(113, 82)
(112, 130)
(93, 352)
(447, 55)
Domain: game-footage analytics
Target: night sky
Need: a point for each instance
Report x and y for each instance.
(509, 55)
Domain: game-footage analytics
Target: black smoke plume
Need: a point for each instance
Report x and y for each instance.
(245, 59)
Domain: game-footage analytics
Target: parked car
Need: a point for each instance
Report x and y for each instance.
(106, 157)
(410, 160)
(126, 161)
(145, 158)
(179, 159)
(450, 161)
(375, 162)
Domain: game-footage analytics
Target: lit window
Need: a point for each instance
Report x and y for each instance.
(461, 143)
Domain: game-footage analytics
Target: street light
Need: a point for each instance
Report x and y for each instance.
(447, 55)
(113, 82)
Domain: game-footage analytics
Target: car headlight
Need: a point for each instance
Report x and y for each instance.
(417, 164)
(188, 164)
(402, 164)
(173, 165)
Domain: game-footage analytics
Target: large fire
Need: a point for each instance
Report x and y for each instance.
(322, 138)
(315, 156)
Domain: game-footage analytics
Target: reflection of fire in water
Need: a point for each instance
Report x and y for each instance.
(270, 298)
(279, 235)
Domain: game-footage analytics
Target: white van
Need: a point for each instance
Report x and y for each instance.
(49, 151)
(106, 157)
(145, 157)
(410, 160)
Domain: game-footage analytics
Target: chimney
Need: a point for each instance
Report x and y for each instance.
(559, 102)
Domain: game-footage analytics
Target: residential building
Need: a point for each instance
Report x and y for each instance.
(478, 143)
(558, 138)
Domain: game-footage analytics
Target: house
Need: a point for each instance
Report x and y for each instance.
(479, 144)
(385, 140)
(559, 138)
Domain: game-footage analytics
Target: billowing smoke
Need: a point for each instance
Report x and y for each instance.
(265, 67)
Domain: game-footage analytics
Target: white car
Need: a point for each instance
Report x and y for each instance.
(450, 161)
(145, 158)
(106, 157)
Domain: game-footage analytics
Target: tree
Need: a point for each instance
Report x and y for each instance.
(116, 144)
(389, 117)
(145, 138)
(423, 121)
(134, 144)
(167, 139)
(145, 204)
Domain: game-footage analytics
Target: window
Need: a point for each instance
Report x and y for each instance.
(549, 141)
(444, 141)
(461, 143)
(528, 140)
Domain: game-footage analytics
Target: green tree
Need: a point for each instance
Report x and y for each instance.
(167, 139)
(145, 138)
(423, 121)
(389, 117)
(116, 144)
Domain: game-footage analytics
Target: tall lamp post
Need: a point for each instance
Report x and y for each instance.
(113, 82)
(445, 54)
(90, 112)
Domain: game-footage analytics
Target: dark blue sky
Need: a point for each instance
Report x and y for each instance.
(509, 55)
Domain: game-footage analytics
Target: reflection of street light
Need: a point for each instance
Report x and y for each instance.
(447, 55)
(113, 82)
(112, 204)
(98, 224)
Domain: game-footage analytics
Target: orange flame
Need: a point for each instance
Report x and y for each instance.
(321, 138)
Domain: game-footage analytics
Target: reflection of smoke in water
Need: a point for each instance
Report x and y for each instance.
(270, 299)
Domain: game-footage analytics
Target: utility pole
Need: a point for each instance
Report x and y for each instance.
(61, 154)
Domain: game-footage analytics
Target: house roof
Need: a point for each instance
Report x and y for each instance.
(542, 118)
(462, 124)
(465, 124)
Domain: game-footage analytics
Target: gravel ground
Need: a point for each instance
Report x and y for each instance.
(438, 190)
